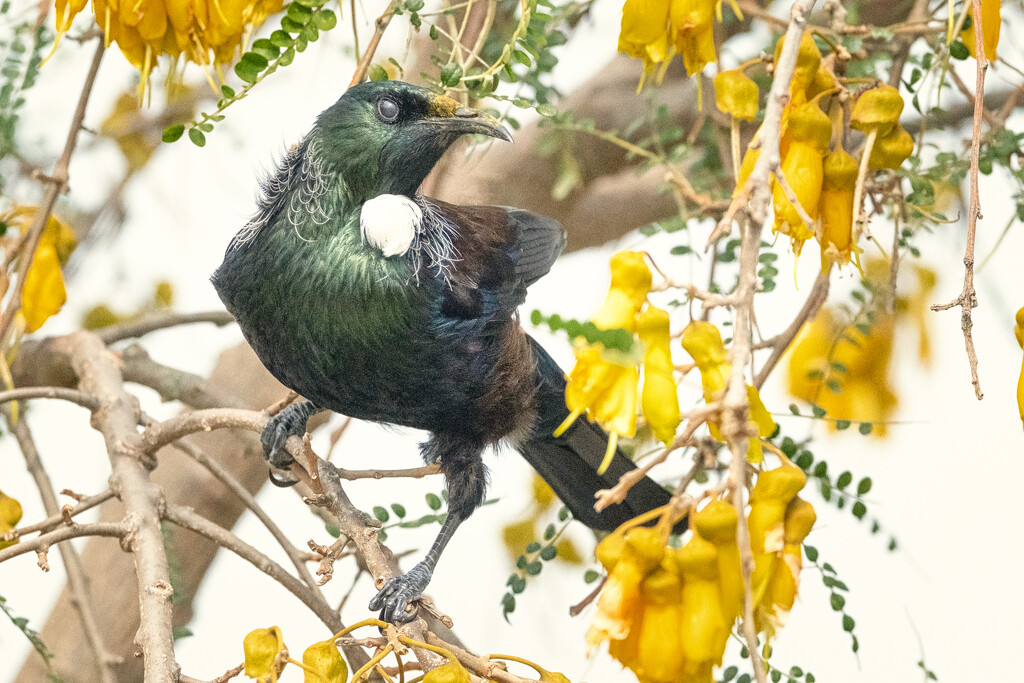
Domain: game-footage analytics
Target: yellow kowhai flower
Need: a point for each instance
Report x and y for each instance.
(452, 672)
(824, 81)
(44, 293)
(861, 391)
(660, 401)
(736, 94)
(644, 33)
(769, 501)
(809, 131)
(835, 208)
(202, 31)
(1018, 331)
(265, 654)
(628, 557)
(659, 650)
(891, 150)
(991, 23)
(783, 581)
(717, 523)
(917, 307)
(703, 342)
(692, 32)
(704, 631)
(603, 382)
(808, 59)
(324, 663)
(10, 515)
(877, 109)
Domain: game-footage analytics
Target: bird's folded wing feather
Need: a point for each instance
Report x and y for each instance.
(501, 251)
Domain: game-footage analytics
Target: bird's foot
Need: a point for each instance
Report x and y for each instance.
(394, 598)
(289, 422)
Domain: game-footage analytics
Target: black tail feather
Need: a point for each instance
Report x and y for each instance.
(569, 463)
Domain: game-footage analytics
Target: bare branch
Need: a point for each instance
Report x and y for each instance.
(44, 541)
(61, 393)
(162, 321)
(62, 517)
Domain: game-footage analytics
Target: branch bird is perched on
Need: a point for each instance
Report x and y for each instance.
(374, 301)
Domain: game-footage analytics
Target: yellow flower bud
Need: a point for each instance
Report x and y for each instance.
(609, 551)
(703, 342)
(891, 150)
(326, 661)
(717, 523)
(631, 281)
(10, 515)
(452, 672)
(779, 484)
(877, 109)
(823, 81)
(800, 519)
(736, 94)
(991, 23)
(808, 60)
(660, 401)
(659, 649)
(704, 631)
(265, 654)
(835, 208)
(808, 131)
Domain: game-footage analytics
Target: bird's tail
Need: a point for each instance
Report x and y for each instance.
(569, 463)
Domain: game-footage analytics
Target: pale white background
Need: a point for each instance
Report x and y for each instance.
(946, 481)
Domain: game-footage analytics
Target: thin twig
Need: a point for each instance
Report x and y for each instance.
(55, 185)
(62, 517)
(813, 304)
(310, 597)
(379, 27)
(78, 582)
(26, 393)
(162, 321)
(44, 541)
(968, 298)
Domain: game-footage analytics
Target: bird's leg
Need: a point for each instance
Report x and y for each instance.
(466, 479)
(289, 422)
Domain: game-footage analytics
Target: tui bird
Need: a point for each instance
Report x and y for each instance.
(377, 302)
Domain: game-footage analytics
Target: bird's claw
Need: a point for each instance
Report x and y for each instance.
(289, 422)
(396, 594)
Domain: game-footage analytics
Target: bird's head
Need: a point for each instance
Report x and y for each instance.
(384, 137)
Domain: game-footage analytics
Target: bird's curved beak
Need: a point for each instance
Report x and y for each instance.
(465, 120)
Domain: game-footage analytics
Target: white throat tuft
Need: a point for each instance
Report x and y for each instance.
(389, 222)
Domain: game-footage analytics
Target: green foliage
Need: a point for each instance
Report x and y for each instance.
(21, 623)
(531, 563)
(301, 25)
(614, 339)
(22, 51)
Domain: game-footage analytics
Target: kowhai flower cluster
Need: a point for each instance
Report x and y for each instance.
(657, 30)
(822, 175)
(200, 31)
(666, 613)
(603, 383)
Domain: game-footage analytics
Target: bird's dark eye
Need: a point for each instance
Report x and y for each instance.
(387, 109)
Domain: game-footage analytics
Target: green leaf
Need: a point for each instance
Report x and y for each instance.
(247, 72)
(729, 673)
(958, 50)
(547, 110)
(378, 73)
(844, 480)
(549, 532)
(818, 411)
(863, 486)
(842, 424)
(548, 553)
(256, 60)
(265, 48)
(805, 460)
(227, 91)
(434, 35)
(450, 75)
(533, 547)
(865, 428)
(325, 19)
(287, 57)
(811, 552)
(290, 25)
(848, 623)
(508, 604)
(776, 676)
(399, 510)
(281, 39)
(380, 513)
(590, 576)
(173, 132)
(534, 568)
(197, 137)
(859, 509)
(837, 601)
(299, 13)
(433, 502)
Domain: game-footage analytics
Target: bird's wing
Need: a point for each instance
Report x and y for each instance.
(498, 252)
